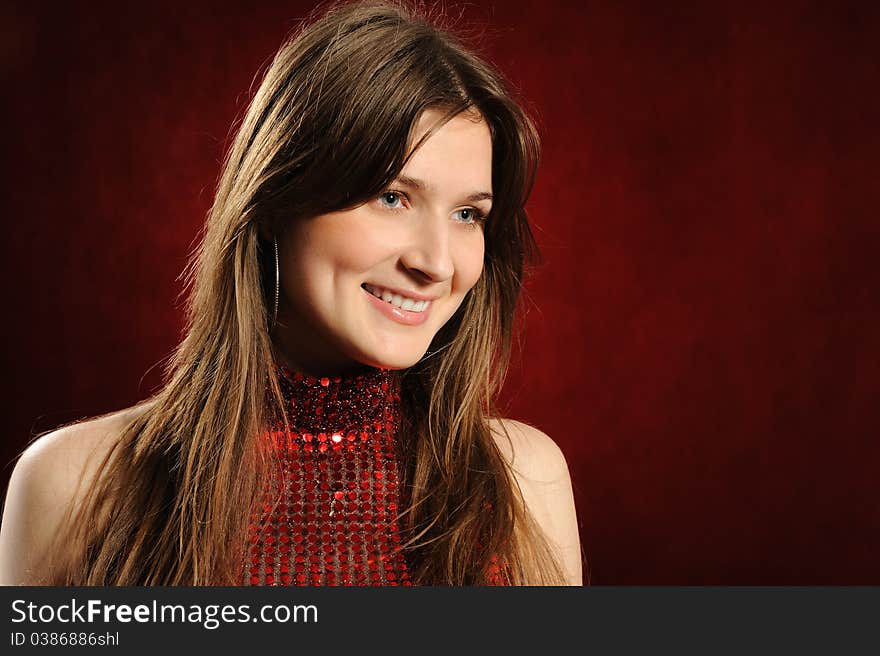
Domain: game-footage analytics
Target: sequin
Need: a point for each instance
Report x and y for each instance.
(326, 506)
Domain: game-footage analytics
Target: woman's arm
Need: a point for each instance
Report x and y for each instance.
(43, 485)
(542, 473)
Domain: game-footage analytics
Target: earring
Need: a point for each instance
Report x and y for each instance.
(277, 281)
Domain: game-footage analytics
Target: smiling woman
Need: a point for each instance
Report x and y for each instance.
(418, 246)
(328, 418)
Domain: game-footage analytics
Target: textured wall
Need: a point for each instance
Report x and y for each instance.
(703, 336)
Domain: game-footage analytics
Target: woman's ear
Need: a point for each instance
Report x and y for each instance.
(266, 231)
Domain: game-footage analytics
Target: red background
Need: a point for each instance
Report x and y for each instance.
(703, 337)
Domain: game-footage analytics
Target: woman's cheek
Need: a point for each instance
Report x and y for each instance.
(360, 245)
(469, 265)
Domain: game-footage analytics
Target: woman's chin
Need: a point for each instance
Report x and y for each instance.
(392, 361)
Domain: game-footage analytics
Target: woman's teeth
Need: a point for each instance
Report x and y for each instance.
(402, 302)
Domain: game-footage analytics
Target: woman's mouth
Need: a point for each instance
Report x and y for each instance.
(396, 307)
(404, 303)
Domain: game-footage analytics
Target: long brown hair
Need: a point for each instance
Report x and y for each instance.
(328, 128)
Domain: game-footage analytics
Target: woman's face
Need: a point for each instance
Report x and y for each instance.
(418, 246)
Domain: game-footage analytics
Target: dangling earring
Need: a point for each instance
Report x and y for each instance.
(277, 282)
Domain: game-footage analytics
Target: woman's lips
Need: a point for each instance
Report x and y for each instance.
(405, 317)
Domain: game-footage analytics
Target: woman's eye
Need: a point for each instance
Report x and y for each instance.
(390, 199)
(469, 215)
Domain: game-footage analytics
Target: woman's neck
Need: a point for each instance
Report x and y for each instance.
(345, 368)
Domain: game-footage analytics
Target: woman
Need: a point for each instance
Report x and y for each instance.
(328, 417)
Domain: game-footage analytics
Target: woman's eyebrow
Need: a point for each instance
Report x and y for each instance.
(421, 185)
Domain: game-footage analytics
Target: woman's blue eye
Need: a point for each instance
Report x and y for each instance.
(470, 215)
(389, 199)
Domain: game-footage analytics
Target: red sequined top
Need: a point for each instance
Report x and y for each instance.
(336, 483)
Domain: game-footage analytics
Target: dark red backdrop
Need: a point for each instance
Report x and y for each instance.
(704, 339)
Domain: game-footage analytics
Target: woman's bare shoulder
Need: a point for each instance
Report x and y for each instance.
(541, 471)
(530, 451)
(62, 456)
(52, 474)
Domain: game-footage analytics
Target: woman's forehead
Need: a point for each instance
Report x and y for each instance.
(456, 157)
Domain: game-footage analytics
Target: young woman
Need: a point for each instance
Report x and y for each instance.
(328, 418)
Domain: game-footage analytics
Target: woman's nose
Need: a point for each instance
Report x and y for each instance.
(428, 249)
